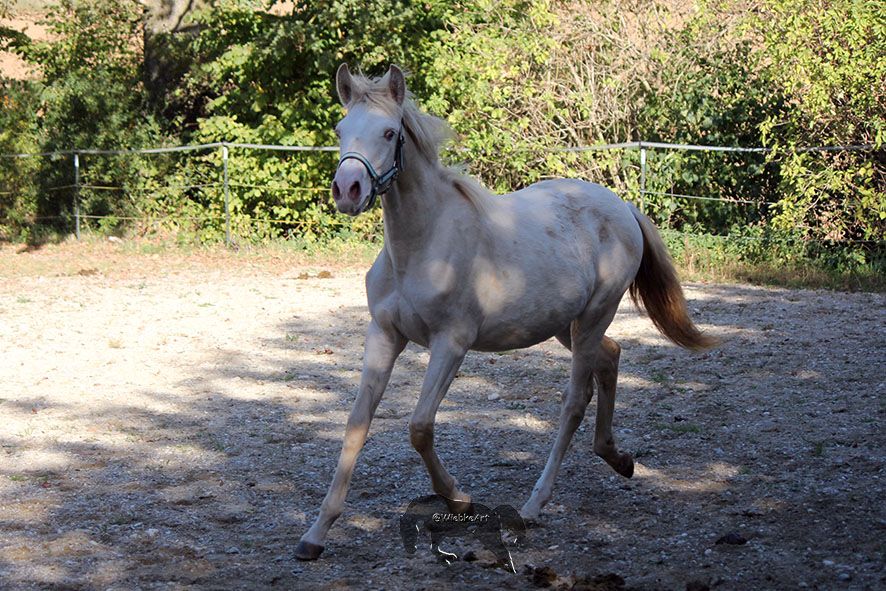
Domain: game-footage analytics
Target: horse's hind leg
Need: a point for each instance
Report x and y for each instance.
(491, 540)
(586, 332)
(442, 555)
(606, 372)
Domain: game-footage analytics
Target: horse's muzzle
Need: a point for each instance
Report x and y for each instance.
(350, 189)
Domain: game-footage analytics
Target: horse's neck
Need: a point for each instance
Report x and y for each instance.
(412, 210)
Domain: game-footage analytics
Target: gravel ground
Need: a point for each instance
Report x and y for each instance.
(172, 422)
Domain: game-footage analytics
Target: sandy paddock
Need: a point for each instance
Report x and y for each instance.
(171, 421)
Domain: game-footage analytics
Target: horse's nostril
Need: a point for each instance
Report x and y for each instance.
(354, 191)
(336, 192)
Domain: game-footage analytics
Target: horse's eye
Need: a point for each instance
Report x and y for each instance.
(389, 134)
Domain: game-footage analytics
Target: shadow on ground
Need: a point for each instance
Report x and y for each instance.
(773, 437)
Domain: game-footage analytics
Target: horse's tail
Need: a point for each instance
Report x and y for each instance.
(657, 289)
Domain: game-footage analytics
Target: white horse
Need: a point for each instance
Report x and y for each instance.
(464, 269)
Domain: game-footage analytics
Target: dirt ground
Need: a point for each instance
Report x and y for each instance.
(172, 421)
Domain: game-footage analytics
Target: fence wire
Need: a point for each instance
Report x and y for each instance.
(224, 184)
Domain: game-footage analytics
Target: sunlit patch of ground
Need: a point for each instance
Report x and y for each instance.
(173, 420)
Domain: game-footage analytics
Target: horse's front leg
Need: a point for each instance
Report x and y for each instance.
(382, 348)
(446, 357)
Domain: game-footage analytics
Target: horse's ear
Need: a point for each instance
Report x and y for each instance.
(343, 84)
(397, 84)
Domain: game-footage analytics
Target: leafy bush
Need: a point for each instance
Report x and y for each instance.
(829, 59)
(517, 79)
(89, 96)
(18, 192)
(258, 77)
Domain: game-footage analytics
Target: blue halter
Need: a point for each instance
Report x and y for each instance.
(381, 183)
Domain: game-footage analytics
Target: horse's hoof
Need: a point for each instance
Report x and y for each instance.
(459, 506)
(625, 465)
(531, 521)
(308, 551)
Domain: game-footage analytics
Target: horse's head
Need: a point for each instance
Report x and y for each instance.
(370, 138)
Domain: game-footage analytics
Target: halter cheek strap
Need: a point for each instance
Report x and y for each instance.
(381, 183)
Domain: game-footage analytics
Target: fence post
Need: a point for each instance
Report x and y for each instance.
(642, 178)
(227, 197)
(77, 195)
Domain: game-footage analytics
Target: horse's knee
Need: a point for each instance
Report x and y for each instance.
(421, 435)
(575, 409)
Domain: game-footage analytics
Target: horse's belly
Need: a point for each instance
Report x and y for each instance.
(536, 324)
(513, 340)
(504, 308)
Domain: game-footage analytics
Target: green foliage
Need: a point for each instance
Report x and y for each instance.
(482, 74)
(258, 77)
(89, 96)
(829, 59)
(19, 188)
(713, 94)
(518, 80)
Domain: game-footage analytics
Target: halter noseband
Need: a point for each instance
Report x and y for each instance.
(381, 183)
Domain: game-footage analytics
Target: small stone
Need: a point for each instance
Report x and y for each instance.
(768, 426)
(470, 556)
(493, 397)
(233, 550)
(152, 532)
(844, 577)
(708, 552)
(733, 538)
(828, 562)
(540, 576)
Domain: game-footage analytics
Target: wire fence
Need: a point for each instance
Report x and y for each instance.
(220, 183)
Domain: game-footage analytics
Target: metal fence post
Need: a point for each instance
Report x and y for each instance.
(227, 197)
(77, 195)
(642, 178)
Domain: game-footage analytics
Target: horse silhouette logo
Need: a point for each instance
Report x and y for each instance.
(432, 514)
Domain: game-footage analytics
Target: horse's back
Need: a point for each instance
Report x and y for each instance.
(550, 251)
(586, 204)
(574, 219)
